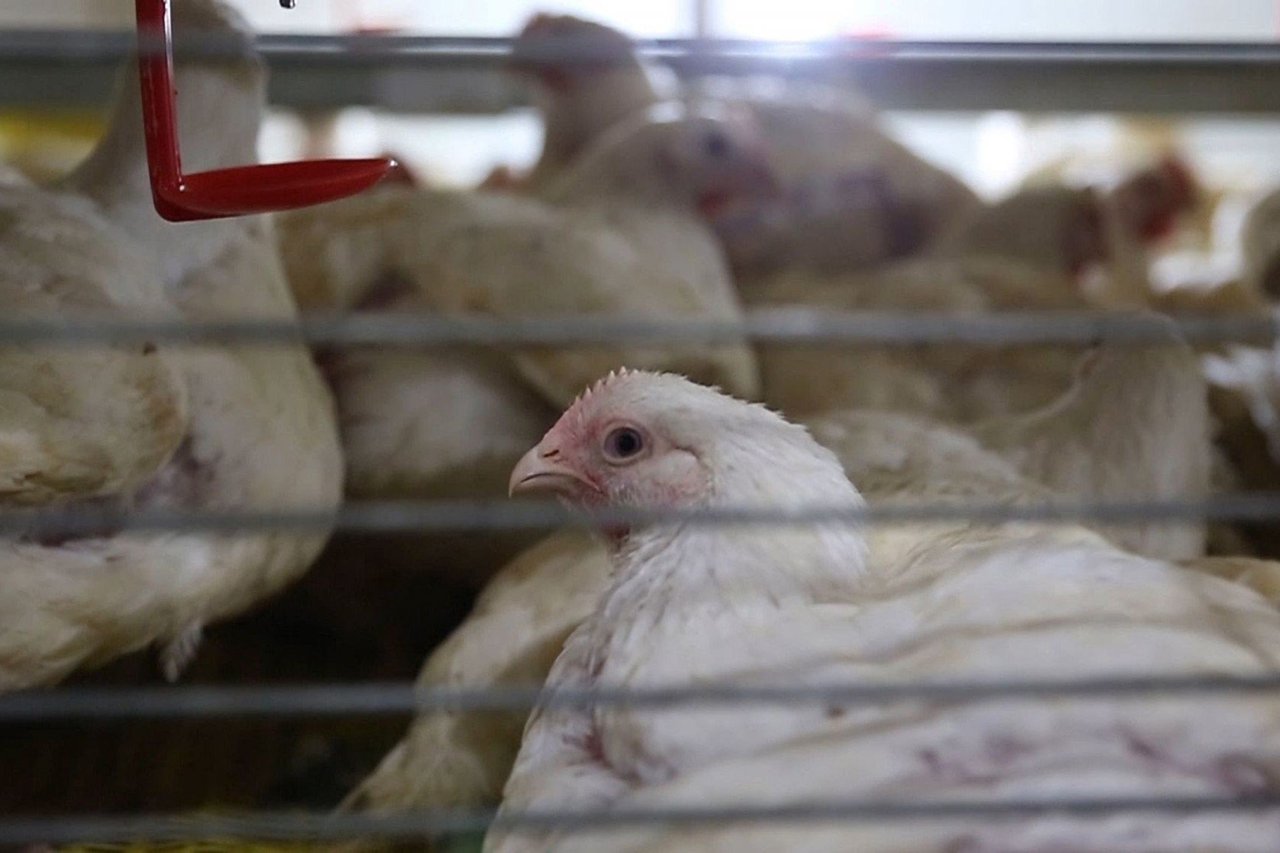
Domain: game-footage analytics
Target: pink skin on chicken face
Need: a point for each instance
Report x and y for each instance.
(604, 453)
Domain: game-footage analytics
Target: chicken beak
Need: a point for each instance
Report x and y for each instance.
(539, 472)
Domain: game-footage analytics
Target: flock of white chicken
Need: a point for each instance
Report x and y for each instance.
(657, 202)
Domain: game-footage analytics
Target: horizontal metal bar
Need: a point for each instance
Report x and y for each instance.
(289, 826)
(792, 326)
(39, 68)
(436, 516)
(325, 700)
(346, 50)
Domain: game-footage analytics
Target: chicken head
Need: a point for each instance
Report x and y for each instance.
(640, 440)
(616, 445)
(701, 156)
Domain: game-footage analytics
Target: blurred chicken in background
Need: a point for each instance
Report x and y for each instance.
(617, 235)
(152, 426)
(816, 205)
(851, 196)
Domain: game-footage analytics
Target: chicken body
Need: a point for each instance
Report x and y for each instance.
(851, 196)
(688, 604)
(1093, 237)
(401, 441)
(611, 238)
(433, 423)
(1135, 426)
(534, 602)
(414, 423)
(581, 100)
(1260, 244)
(531, 605)
(79, 423)
(460, 760)
(1130, 424)
(954, 383)
(154, 427)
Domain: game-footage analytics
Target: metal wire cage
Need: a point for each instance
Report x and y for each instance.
(53, 725)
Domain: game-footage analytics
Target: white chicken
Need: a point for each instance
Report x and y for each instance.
(211, 428)
(515, 632)
(956, 383)
(1132, 423)
(803, 605)
(1135, 426)
(530, 607)
(580, 99)
(452, 423)
(534, 602)
(1245, 391)
(632, 198)
(1096, 237)
(414, 423)
(852, 195)
(1260, 241)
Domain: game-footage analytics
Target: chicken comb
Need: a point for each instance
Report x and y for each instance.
(603, 383)
(236, 191)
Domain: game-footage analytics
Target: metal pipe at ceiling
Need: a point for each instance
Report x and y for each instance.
(465, 74)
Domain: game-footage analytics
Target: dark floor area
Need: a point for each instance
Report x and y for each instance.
(354, 617)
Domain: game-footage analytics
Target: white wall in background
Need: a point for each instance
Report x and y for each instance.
(308, 16)
(445, 150)
(645, 18)
(1188, 20)
(993, 151)
(311, 15)
(66, 13)
(650, 18)
(1153, 20)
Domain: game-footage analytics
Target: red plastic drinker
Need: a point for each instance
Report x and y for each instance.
(238, 191)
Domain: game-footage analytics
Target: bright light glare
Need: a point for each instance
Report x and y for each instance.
(1144, 20)
(1002, 143)
(793, 21)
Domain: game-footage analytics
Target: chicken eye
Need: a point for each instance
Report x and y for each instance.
(623, 444)
(716, 144)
